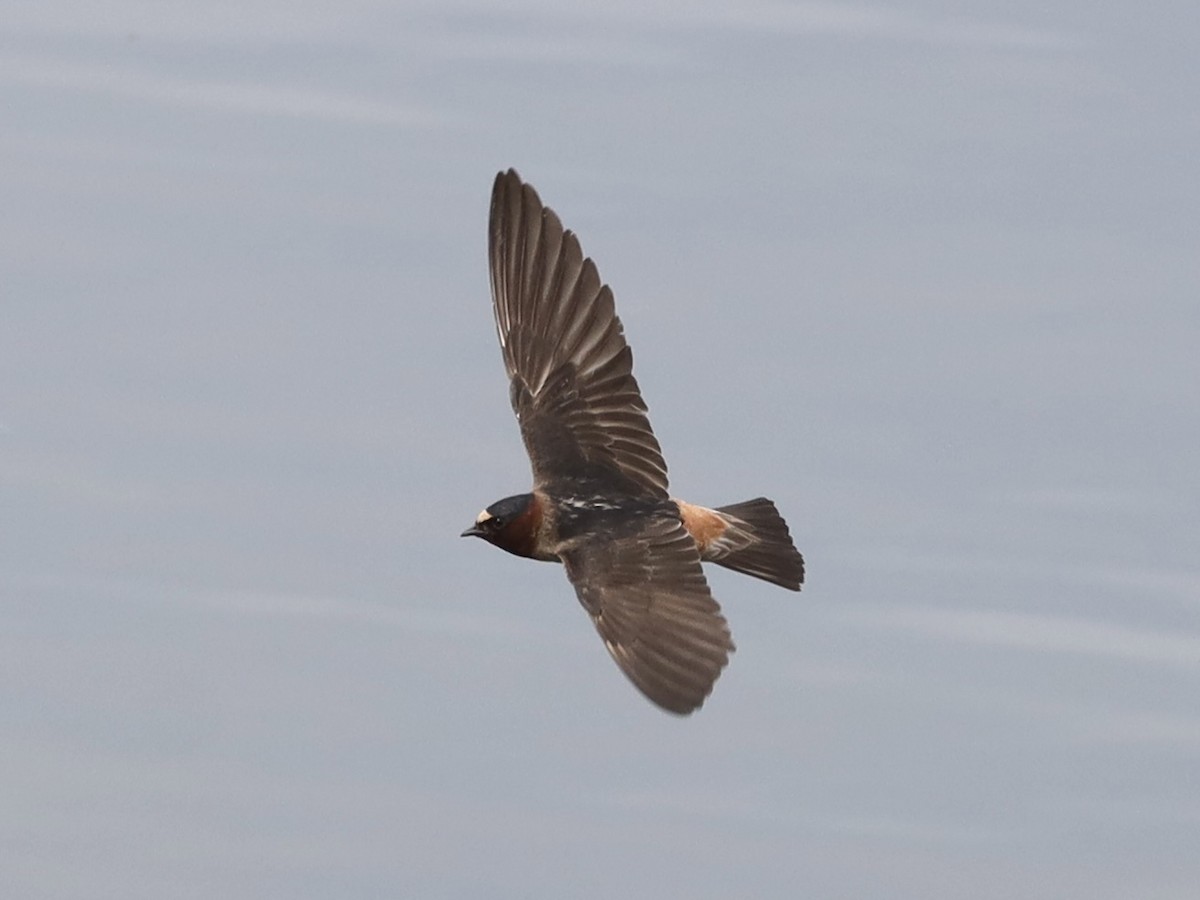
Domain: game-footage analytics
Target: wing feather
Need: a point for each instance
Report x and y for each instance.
(581, 413)
(650, 602)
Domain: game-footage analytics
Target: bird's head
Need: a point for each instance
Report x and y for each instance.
(511, 524)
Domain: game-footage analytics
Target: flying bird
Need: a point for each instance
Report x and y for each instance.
(599, 503)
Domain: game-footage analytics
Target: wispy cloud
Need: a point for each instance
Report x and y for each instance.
(749, 805)
(852, 20)
(259, 604)
(1123, 726)
(232, 97)
(1066, 714)
(868, 21)
(1104, 499)
(1027, 631)
(270, 604)
(1182, 584)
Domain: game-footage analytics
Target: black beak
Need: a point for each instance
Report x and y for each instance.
(473, 531)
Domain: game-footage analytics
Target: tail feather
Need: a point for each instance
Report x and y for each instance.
(758, 543)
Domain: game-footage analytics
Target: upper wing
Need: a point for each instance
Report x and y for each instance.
(649, 600)
(572, 388)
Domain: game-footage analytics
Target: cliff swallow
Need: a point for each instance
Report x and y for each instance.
(599, 503)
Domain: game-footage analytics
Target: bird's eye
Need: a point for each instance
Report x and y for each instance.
(496, 522)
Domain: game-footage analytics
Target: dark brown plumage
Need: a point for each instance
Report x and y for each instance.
(599, 502)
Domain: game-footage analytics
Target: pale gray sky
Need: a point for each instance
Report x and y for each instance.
(927, 276)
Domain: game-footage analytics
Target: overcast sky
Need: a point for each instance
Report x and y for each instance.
(926, 276)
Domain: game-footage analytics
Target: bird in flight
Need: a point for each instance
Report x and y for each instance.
(599, 503)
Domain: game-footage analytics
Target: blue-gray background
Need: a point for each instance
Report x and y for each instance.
(925, 275)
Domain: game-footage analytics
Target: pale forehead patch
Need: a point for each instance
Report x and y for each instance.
(483, 517)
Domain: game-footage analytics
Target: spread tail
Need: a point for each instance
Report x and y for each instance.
(757, 542)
